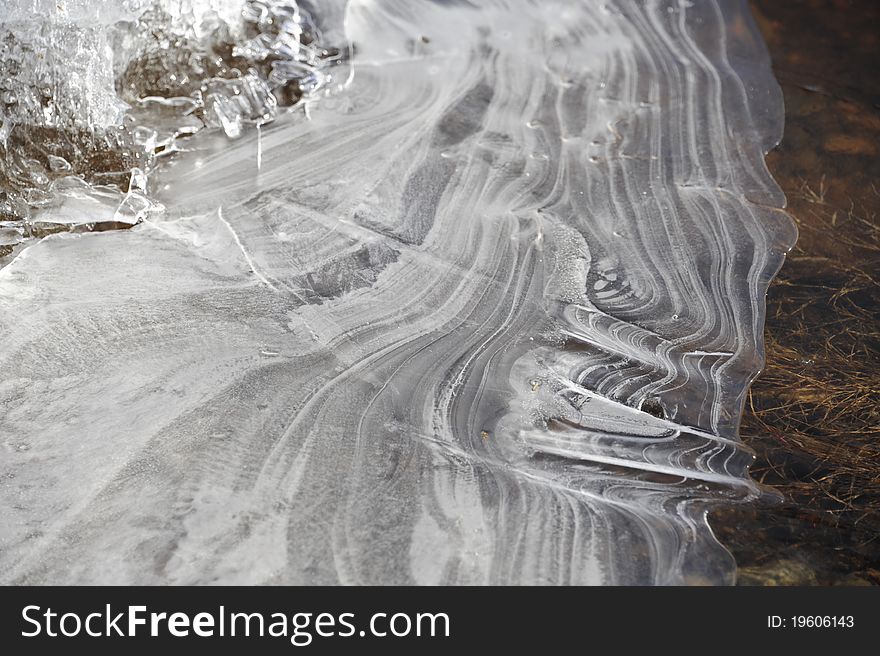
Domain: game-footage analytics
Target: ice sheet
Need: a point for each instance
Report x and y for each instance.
(487, 315)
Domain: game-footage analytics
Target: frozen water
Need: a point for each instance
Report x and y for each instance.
(488, 315)
(95, 91)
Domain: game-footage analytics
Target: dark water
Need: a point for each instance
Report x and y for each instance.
(813, 414)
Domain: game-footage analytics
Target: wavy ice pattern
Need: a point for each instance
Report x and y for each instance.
(488, 316)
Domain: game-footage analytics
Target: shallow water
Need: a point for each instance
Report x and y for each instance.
(813, 415)
(486, 315)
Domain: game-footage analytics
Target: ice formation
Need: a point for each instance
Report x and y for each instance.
(487, 315)
(91, 93)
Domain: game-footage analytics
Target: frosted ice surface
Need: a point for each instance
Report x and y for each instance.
(487, 316)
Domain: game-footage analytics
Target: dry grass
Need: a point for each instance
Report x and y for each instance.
(815, 411)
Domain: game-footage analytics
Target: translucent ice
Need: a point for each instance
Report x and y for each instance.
(96, 90)
(488, 316)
